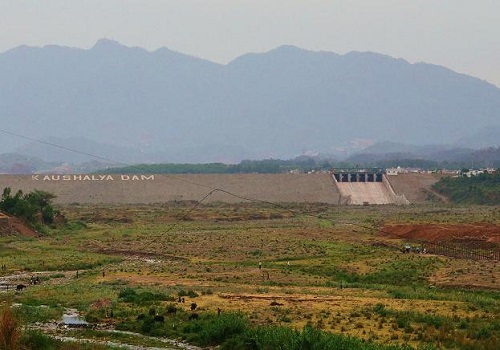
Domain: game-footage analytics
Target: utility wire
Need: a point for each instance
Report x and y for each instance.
(58, 146)
(93, 155)
(199, 202)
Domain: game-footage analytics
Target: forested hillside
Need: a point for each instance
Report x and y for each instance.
(481, 189)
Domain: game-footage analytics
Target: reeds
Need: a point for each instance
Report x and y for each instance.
(10, 329)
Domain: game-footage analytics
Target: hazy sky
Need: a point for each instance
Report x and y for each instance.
(463, 35)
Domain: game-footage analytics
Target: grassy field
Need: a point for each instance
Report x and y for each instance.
(313, 269)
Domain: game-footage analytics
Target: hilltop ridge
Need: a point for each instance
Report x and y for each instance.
(166, 106)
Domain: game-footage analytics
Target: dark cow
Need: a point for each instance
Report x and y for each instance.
(20, 287)
(194, 316)
(171, 309)
(159, 318)
(193, 306)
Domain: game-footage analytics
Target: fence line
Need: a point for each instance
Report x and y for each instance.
(472, 250)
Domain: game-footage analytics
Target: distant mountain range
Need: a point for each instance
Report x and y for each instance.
(393, 154)
(130, 105)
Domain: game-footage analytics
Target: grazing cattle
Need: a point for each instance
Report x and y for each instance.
(194, 316)
(152, 312)
(20, 287)
(193, 306)
(159, 318)
(171, 309)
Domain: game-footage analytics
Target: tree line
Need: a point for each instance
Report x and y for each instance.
(266, 166)
(301, 164)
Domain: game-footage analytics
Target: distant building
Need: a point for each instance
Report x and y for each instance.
(473, 172)
(392, 171)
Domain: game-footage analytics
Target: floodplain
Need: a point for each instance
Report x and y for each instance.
(305, 267)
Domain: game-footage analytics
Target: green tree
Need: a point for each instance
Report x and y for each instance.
(34, 207)
(41, 204)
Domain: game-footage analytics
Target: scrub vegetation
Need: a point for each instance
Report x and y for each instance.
(481, 189)
(34, 208)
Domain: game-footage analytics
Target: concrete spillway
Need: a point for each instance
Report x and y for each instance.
(378, 191)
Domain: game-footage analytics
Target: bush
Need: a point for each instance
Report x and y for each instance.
(34, 207)
(190, 293)
(32, 314)
(483, 333)
(309, 338)
(130, 295)
(222, 328)
(380, 309)
(37, 340)
(76, 226)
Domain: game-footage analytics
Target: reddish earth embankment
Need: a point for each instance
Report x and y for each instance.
(444, 232)
(13, 226)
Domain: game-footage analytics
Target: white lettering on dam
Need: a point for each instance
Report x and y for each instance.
(137, 177)
(82, 177)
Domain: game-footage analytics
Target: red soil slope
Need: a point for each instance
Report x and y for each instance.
(442, 233)
(13, 226)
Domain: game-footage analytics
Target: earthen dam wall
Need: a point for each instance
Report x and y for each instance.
(145, 189)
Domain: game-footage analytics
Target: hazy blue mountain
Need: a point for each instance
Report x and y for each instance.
(430, 156)
(485, 137)
(13, 163)
(136, 105)
(79, 150)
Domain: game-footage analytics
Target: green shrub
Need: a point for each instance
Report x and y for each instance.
(309, 338)
(381, 310)
(130, 295)
(75, 226)
(32, 314)
(37, 340)
(483, 333)
(34, 207)
(222, 328)
(481, 189)
(190, 293)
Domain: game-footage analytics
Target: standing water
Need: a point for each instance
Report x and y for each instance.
(71, 317)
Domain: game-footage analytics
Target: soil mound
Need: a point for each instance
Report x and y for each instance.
(13, 226)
